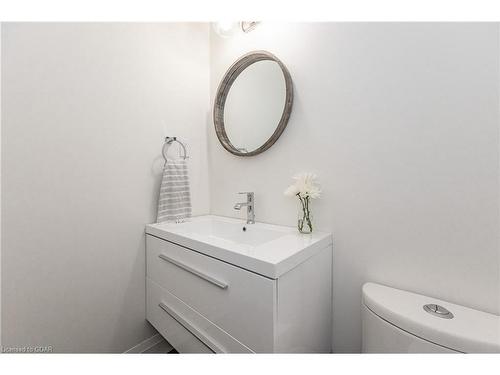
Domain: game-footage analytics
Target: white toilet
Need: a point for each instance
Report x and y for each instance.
(396, 321)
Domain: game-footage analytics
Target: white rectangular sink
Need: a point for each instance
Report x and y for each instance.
(269, 250)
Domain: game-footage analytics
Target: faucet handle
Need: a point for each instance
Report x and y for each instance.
(249, 195)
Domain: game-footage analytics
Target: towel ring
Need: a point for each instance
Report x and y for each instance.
(168, 142)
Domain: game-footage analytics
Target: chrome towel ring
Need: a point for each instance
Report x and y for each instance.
(168, 142)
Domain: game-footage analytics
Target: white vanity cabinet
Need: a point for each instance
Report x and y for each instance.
(202, 299)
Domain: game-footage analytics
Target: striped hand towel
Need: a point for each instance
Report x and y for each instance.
(174, 204)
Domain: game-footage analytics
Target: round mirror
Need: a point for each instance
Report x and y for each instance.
(253, 104)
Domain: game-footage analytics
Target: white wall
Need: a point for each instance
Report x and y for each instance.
(0, 185)
(85, 110)
(400, 122)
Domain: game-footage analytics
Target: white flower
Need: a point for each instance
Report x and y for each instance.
(305, 186)
(291, 191)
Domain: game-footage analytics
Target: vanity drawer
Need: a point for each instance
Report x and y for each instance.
(178, 336)
(184, 328)
(240, 302)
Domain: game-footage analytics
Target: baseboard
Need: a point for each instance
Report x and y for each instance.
(146, 344)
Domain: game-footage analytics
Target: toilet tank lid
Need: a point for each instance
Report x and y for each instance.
(469, 331)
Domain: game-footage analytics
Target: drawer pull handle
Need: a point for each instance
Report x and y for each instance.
(187, 325)
(201, 275)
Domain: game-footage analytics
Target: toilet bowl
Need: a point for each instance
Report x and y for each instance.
(396, 321)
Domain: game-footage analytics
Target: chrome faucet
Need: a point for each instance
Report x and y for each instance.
(250, 207)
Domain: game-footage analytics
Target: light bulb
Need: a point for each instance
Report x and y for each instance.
(225, 29)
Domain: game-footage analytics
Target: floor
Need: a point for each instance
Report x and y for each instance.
(162, 347)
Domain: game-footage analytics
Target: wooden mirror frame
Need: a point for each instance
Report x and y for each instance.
(220, 100)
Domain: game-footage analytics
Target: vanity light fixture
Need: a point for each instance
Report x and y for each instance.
(247, 26)
(226, 29)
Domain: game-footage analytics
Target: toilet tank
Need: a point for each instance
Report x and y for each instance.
(395, 321)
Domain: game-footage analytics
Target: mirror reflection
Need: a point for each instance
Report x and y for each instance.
(253, 104)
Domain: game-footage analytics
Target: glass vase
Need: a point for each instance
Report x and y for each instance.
(304, 218)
